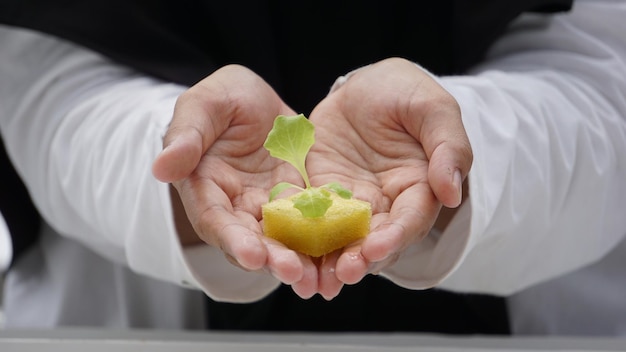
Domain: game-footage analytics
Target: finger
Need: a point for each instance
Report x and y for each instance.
(329, 284)
(412, 215)
(236, 233)
(180, 156)
(307, 286)
(283, 263)
(386, 239)
(240, 243)
(449, 152)
(351, 266)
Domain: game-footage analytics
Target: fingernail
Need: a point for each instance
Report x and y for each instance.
(457, 182)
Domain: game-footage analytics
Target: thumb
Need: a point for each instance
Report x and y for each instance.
(434, 119)
(448, 166)
(182, 150)
(190, 134)
(450, 155)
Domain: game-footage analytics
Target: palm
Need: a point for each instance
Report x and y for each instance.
(240, 168)
(376, 158)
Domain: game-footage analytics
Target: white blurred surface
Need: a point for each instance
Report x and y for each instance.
(156, 341)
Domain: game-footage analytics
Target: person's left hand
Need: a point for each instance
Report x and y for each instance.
(394, 137)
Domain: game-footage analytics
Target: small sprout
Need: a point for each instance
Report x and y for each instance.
(313, 202)
(290, 140)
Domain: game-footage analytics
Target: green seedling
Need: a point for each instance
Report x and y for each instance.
(290, 140)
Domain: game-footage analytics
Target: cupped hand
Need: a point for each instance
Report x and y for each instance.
(213, 155)
(395, 137)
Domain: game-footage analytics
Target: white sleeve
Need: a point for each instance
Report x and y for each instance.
(82, 133)
(546, 117)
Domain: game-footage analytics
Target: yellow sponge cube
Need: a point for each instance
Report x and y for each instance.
(346, 221)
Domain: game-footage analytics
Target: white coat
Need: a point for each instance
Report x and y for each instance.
(545, 114)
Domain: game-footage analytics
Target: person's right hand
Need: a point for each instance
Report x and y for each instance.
(395, 137)
(213, 154)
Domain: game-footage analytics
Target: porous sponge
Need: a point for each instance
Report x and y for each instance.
(346, 221)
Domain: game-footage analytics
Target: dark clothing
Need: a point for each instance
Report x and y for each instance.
(16, 207)
(299, 47)
(374, 304)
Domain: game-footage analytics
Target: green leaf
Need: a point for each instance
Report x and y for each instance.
(313, 202)
(278, 188)
(290, 140)
(339, 189)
